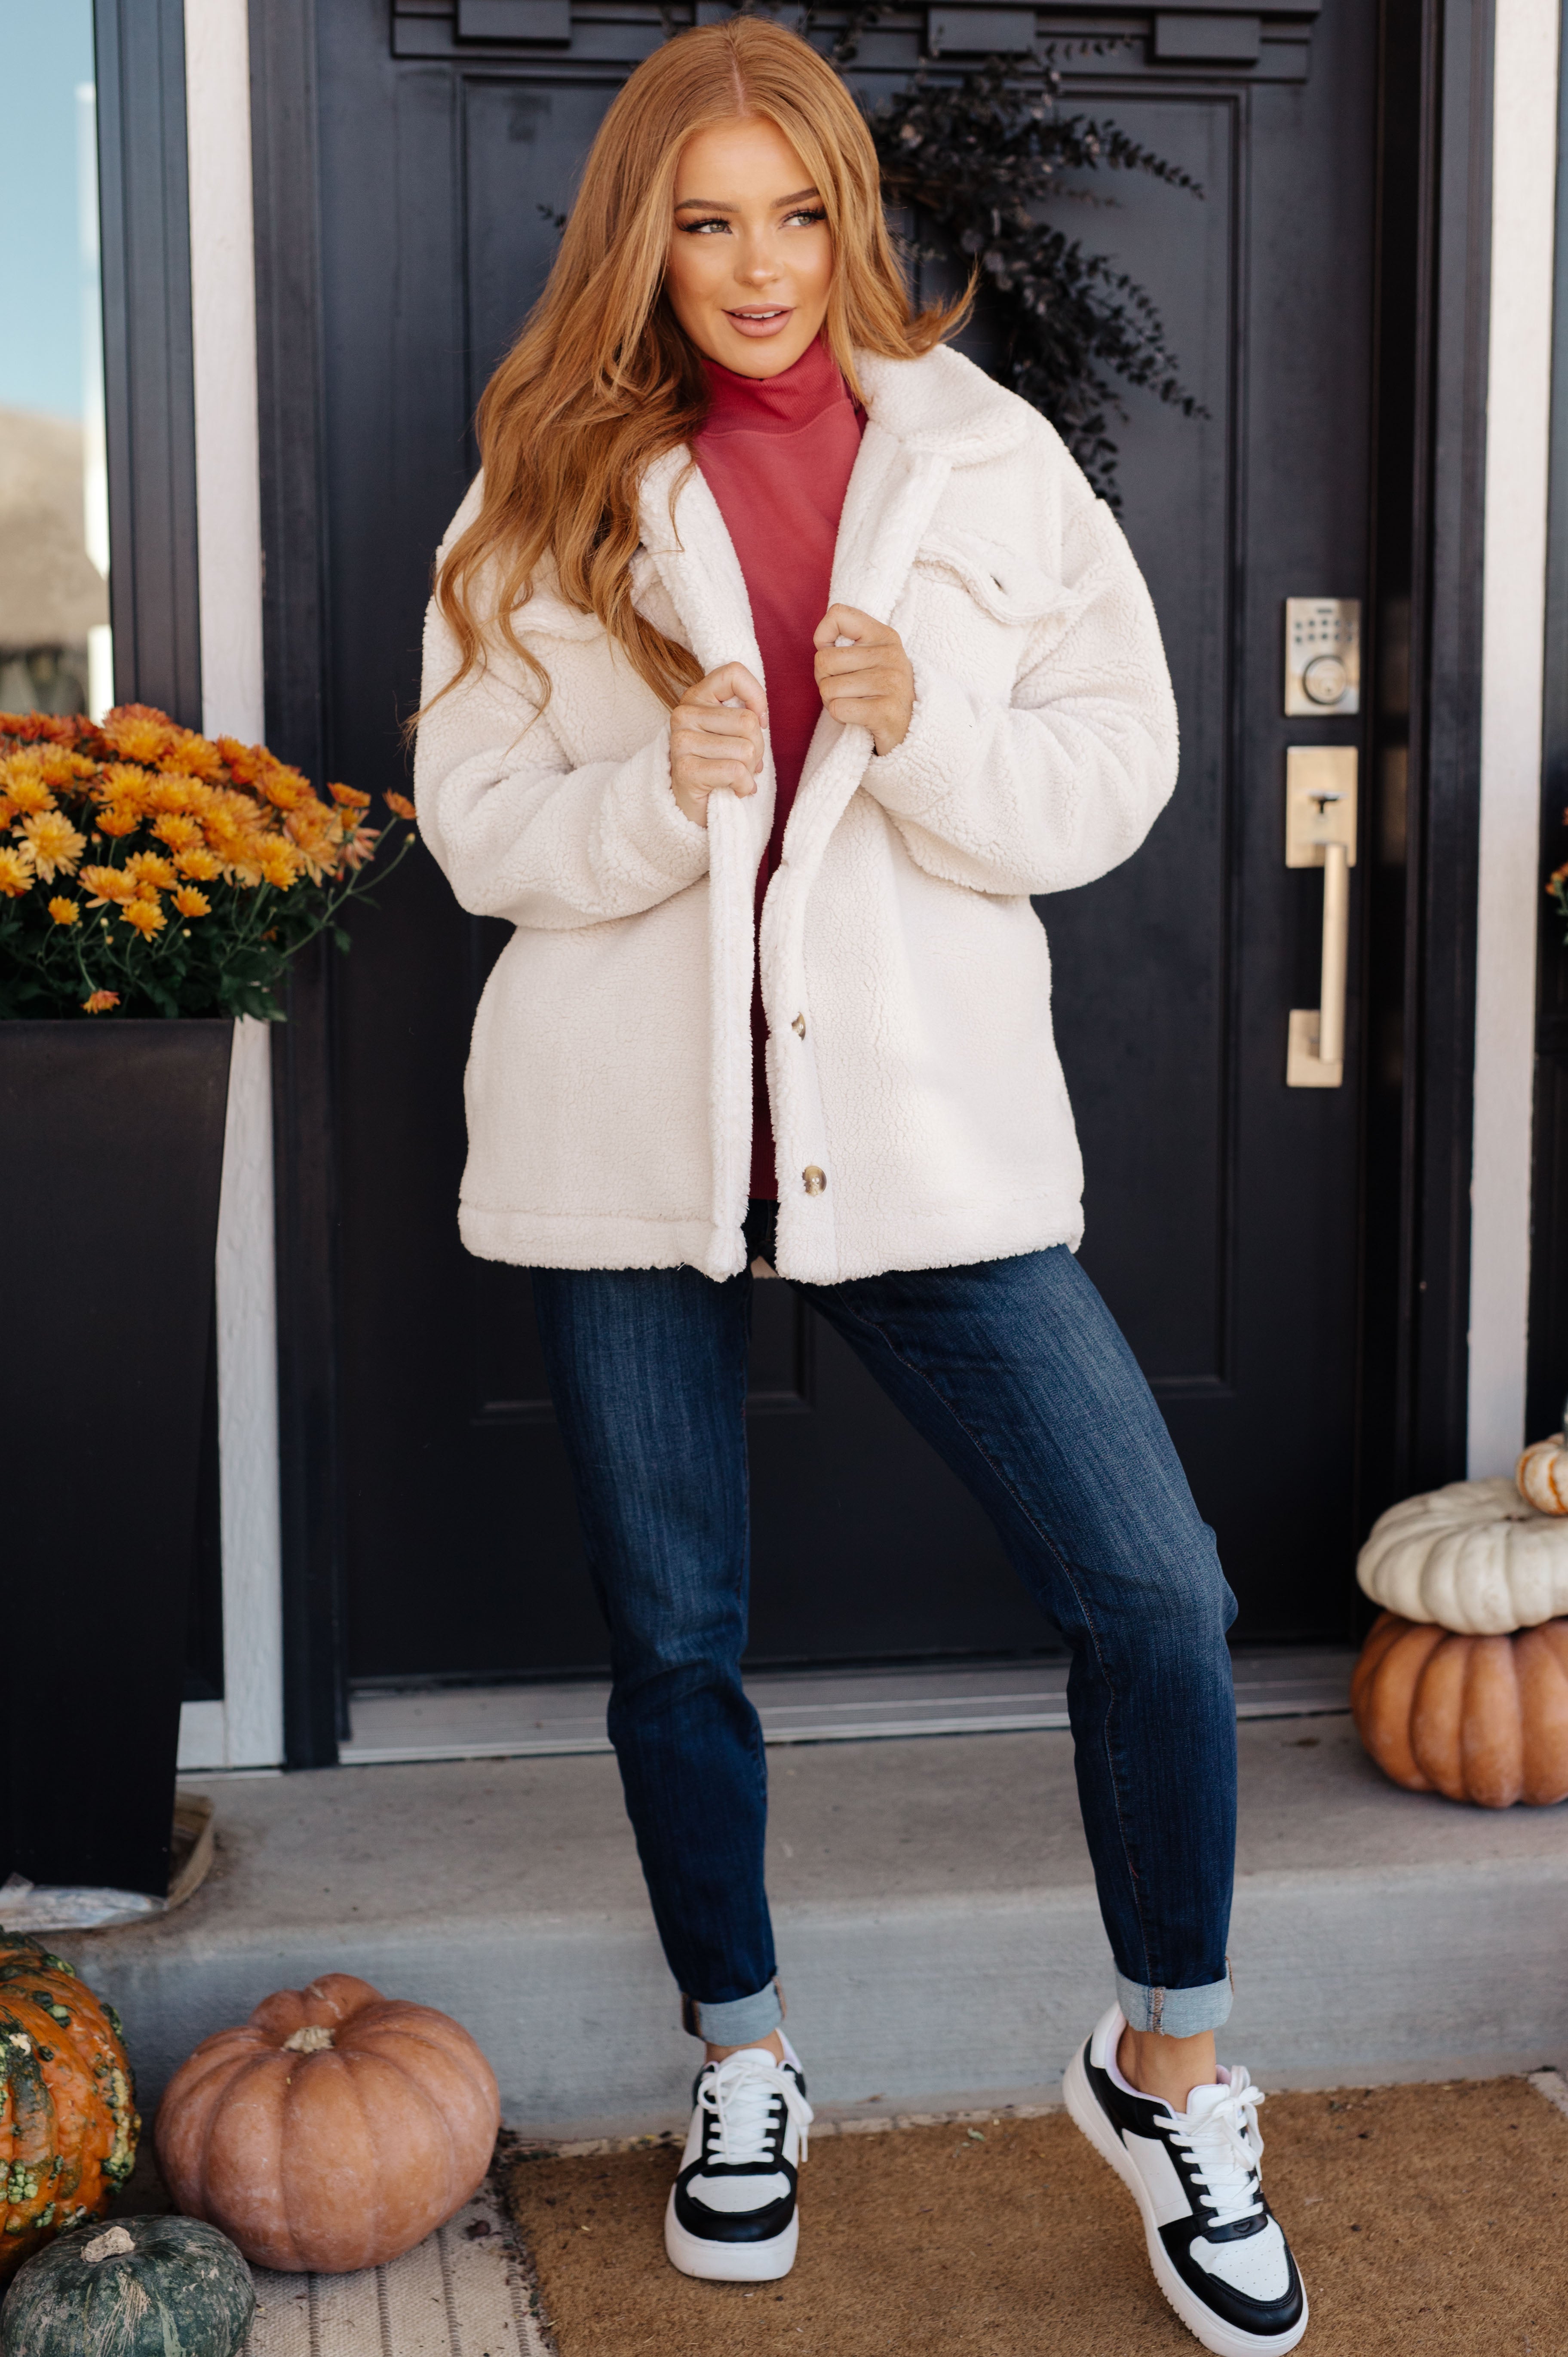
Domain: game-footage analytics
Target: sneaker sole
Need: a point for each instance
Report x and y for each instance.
(1224, 2340)
(731, 2262)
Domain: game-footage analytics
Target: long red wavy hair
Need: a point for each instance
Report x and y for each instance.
(601, 380)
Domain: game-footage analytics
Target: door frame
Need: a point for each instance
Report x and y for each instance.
(1419, 919)
(149, 384)
(174, 369)
(1547, 1377)
(1419, 915)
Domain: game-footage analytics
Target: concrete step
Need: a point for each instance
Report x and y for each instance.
(938, 1932)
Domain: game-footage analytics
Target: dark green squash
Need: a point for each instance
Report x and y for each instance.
(139, 2287)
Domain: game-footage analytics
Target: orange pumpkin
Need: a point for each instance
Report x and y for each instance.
(1476, 1718)
(333, 2131)
(67, 2117)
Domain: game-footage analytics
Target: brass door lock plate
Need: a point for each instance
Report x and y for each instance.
(1320, 803)
(1323, 656)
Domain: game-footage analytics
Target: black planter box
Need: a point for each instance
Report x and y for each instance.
(111, 1161)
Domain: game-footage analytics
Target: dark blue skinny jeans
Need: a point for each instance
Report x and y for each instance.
(1017, 1374)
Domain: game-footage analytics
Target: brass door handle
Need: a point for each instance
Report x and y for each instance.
(1320, 831)
(1336, 952)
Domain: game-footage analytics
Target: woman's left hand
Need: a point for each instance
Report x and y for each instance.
(870, 681)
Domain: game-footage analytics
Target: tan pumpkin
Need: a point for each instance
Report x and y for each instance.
(1476, 1718)
(333, 2131)
(1542, 1476)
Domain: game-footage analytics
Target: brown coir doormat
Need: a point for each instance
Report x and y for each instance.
(1426, 2219)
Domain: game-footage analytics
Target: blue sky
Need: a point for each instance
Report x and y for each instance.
(45, 49)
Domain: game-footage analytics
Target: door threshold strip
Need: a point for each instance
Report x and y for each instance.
(521, 1722)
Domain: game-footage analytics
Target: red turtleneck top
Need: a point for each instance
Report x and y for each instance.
(776, 453)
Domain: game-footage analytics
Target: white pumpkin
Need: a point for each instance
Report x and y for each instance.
(1541, 1474)
(1473, 1557)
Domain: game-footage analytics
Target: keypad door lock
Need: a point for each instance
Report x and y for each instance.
(1323, 656)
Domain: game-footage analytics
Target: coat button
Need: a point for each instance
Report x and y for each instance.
(799, 1027)
(813, 1179)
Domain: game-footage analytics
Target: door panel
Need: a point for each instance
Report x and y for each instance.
(1222, 1207)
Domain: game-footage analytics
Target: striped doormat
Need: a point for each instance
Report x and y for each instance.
(460, 2294)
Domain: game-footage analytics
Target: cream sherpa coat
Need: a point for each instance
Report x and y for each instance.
(919, 1114)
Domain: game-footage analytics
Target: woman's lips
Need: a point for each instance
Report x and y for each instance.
(760, 321)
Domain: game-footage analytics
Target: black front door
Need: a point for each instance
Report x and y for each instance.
(1221, 1203)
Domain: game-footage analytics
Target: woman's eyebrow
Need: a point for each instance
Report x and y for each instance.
(717, 204)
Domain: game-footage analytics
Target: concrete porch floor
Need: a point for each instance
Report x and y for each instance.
(938, 1933)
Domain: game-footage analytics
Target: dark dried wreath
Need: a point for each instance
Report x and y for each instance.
(976, 162)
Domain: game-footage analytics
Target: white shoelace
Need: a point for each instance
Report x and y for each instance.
(740, 2093)
(1222, 2145)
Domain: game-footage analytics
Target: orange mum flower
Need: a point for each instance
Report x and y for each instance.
(401, 805)
(25, 787)
(144, 916)
(181, 834)
(239, 814)
(199, 865)
(55, 842)
(196, 756)
(123, 783)
(59, 765)
(313, 823)
(350, 797)
(140, 733)
(285, 789)
(118, 820)
(149, 872)
(100, 1002)
(361, 845)
(192, 903)
(245, 763)
(168, 791)
(279, 862)
(15, 870)
(64, 911)
(107, 884)
(50, 726)
(234, 855)
(317, 832)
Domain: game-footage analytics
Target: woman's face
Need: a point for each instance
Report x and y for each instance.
(750, 259)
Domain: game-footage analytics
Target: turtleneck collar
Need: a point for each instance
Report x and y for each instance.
(774, 404)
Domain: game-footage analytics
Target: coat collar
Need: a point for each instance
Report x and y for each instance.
(941, 405)
(925, 418)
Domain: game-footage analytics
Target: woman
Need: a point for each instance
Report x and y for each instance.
(775, 658)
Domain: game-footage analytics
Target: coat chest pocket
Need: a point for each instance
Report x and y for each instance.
(1010, 588)
(983, 599)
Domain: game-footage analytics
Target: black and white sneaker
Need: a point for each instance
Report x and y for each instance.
(1218, 2251)
(732, 2215)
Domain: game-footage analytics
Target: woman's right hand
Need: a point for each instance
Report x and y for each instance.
(715, 739)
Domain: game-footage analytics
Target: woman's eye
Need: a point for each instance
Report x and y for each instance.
(810, 214)
(698, 228)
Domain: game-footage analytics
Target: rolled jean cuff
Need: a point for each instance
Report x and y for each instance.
(741, 2022)
(1177, 2013)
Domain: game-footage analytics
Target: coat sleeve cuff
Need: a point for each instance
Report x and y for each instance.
(939, 745)
(655, 827)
